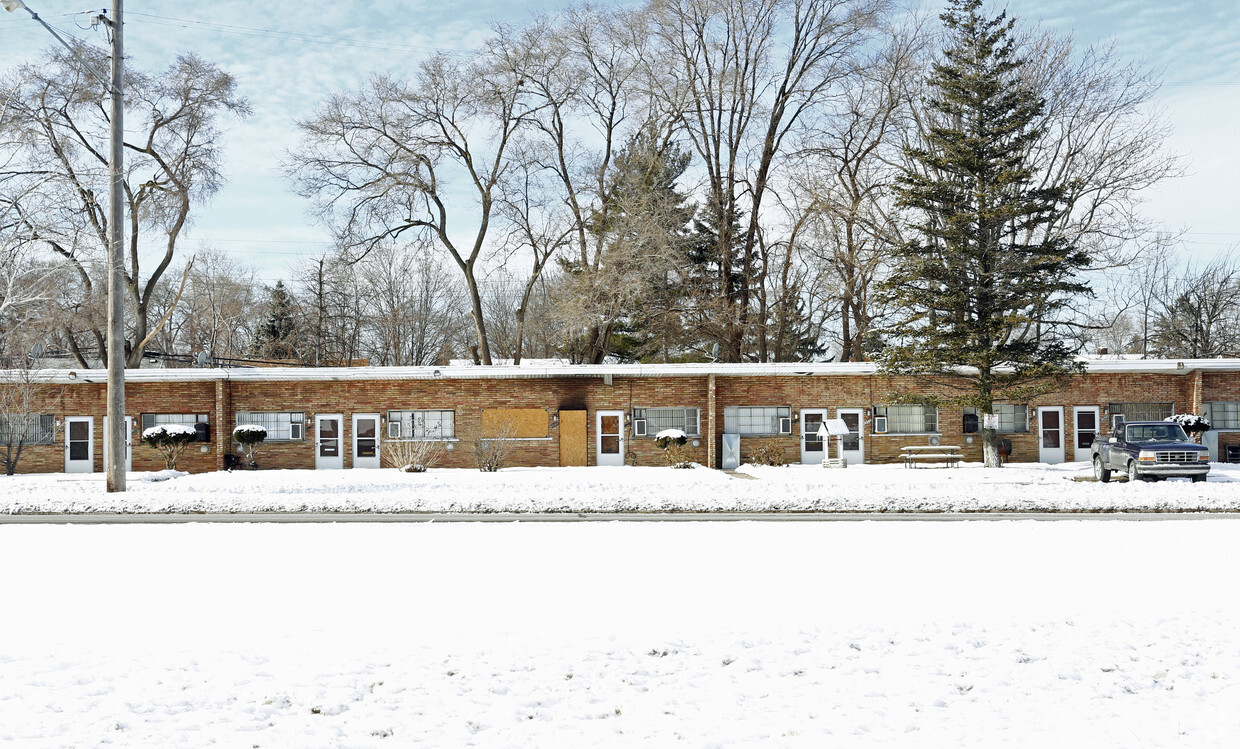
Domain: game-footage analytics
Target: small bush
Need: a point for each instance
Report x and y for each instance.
(767, 452)
(170, 440)
(413, 456)
(1192, 423)
(249, 436)
(672, 442)
(495, 446)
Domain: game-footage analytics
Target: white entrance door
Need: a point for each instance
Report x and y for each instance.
(79, 444)
(854, 441)
(128, 443)
(609, 426)
(1050, 434)
(812, 446)
(1086, 423)
(365, 440)
(327, 438)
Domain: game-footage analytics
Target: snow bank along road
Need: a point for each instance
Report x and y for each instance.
(523, 491)
(621, 634)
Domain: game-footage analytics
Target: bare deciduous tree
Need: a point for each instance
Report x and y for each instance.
(397, 157)
(172, 162)
(744, 74)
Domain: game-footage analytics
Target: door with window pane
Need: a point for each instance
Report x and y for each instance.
(328, 454)
(609, 428)
(365, 440)
(1086, 429)
(1050, 434)
(812, 444)
(853, 445)
(80, 444)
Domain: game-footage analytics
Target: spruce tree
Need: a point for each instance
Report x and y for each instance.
(277, 336)
(981, 279)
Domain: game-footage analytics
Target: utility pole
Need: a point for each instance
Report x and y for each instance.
(116, 439)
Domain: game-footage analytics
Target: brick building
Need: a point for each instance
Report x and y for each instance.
(599, 415)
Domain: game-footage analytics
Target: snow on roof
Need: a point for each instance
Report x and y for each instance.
(499, 372)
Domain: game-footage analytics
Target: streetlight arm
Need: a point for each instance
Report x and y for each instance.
(12, 5)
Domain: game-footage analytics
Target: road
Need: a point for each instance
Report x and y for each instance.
(577, 517)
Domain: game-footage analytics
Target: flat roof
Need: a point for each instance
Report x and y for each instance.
(499, 372)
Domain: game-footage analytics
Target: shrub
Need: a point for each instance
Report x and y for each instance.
(672, 442)
(1192, 423)
(767, 452)
(494, 446)
(250, 436)
(170, 440)
(412, 456)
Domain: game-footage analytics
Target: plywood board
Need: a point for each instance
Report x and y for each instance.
(515, 423)
(573, 439)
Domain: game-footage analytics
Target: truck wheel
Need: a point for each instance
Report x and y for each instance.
(1132, 471)
(1101, 472)
(1198, 478)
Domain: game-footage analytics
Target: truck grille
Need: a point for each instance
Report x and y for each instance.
(1176, 456)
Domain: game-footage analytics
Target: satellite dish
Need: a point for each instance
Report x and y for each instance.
(714, 352)
(202, 358)
(36, 351)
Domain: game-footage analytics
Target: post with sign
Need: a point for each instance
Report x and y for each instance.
(838, 429)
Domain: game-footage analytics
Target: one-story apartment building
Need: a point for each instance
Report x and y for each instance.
(579, 415)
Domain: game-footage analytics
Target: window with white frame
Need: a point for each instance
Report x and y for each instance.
(907, 419)
(1013, 417)
(687, 420)
(422, 425)
(281, 426)
(31, 429)
(1151, 411)
(157, 420)
(754, 420)
(1222, 414)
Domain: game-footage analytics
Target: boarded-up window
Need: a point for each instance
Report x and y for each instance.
(515, 423)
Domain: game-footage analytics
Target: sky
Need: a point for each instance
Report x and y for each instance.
(288, 57)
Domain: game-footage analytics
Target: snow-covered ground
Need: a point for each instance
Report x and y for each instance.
(1072, 633)
(877, 488)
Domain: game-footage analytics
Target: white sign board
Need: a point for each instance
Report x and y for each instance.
(990, 421)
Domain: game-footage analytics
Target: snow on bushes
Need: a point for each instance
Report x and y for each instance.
(249, 436)
(1191, 423)
(672, 442)
(170, 440)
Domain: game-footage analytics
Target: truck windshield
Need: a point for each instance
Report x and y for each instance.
(1156, 433)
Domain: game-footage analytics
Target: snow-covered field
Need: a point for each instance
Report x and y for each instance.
(868, 488)
(1072, 633)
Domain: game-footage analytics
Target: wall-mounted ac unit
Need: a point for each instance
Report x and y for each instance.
(393, 430)
(639, 427)
(785, 425)
(880, 424)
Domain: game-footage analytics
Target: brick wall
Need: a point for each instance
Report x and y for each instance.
(469, 397)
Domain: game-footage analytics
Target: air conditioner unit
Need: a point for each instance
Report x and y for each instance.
(639, 427)
(785, 425)
(393, 430)
(297, 430)
(880, 424)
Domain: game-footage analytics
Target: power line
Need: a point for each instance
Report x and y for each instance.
(250, 31)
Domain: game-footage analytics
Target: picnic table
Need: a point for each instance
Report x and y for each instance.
(949, 455)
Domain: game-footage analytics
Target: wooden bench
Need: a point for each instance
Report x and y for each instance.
(948, 455)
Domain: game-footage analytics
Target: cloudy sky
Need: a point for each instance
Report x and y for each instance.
(288, 56)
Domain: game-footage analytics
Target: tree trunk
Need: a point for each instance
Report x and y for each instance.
(990, 449)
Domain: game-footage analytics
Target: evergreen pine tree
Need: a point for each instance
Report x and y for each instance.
(982, 277)
(277, 336)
